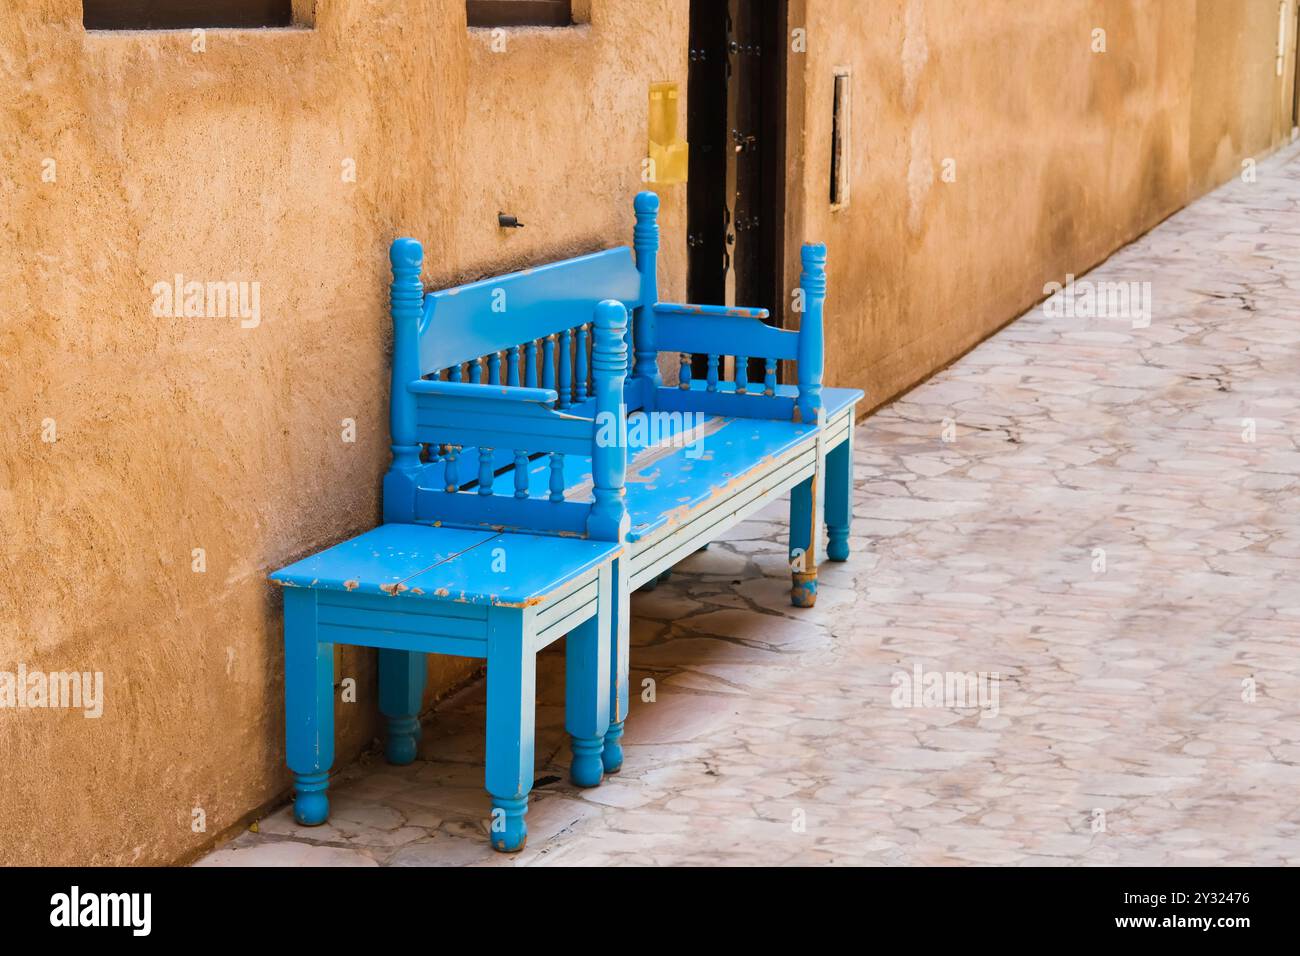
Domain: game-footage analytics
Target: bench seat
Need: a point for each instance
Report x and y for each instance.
(697, 477)
(458, 565)
(668, 485)
(667, 482)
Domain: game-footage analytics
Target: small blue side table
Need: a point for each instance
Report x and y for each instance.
(412, 590)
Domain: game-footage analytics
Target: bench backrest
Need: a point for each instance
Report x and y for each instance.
(534, 333)
(471, 322)
(564, 337)
(533, 328)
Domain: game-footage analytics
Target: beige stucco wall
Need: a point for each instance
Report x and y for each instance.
(1061, 154)
(177, 434)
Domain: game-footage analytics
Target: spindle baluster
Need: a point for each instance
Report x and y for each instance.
(451, 471)
(566, 370)
(557, 476)
(530, 364)
(548, 362)
(521, 473)
(584, 386)
(485, 471)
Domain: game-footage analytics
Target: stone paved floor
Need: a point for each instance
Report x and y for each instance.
(1146, 708)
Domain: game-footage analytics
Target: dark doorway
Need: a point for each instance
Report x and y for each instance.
(736, 128)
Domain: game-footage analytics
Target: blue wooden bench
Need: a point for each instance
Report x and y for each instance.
(498, 386)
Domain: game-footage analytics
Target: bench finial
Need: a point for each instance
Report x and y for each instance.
(608, 519)
(811, 352)
(406, 256)
(646, 203)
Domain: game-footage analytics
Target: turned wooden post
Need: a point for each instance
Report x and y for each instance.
(811, 351)
(645, 241)
(406, 298)
(608, 519)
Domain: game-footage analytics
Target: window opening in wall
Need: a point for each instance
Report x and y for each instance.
(519, 13)
(186, 14)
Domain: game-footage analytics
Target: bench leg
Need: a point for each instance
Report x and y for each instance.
(586, 691)
(401, 692)
(620, 644)
(803, 543)
(511, 700)
(839, 499)
(308, 707)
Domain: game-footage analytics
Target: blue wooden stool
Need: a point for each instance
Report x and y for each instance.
(413, 589)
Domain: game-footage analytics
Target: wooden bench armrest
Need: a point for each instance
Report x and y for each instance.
(720, 330)
(686, 308)
(474, 390)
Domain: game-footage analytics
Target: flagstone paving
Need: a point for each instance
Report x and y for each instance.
(1096, 519)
